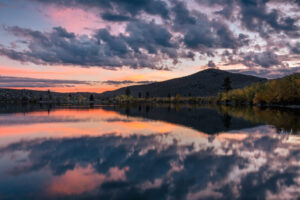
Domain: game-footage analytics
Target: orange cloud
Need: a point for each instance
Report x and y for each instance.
(33, 73)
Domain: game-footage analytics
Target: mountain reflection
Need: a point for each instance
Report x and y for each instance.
(212, 120)
(203, 119)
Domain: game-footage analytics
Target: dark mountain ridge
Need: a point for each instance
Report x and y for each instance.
(204, 83)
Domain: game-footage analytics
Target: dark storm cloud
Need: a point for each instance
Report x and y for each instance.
(141, 35)
(126, 82)
(9, 81)
(211, 64)
(117, 45)
(152, 37)
(295, 49)
(61, 32)
(201, 33)
(115, 17)
(227, 6)
(256, 16)
(102, 50)
(265, 59)
(122, 7)
(251, 59)
(212, 35)
(182, 14)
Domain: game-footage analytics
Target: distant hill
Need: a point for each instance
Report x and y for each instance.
(204, 83)
(17, 95)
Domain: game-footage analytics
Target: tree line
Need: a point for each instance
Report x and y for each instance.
(278, 91)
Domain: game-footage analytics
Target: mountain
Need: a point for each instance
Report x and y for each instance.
(204, 83)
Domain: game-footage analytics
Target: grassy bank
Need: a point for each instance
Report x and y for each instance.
(284, 91)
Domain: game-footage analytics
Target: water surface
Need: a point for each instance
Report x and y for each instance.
(149, 152)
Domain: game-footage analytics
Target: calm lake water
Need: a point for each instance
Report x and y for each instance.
(146, 152)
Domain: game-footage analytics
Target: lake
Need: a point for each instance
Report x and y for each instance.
(149, 152)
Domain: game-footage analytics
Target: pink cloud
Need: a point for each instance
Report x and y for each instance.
(81, 21)
(80, 180)
(74, 19)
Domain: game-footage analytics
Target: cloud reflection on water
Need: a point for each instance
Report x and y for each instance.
(162, 166)
(119, 157)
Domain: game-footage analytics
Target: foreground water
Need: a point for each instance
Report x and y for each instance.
(146, 152)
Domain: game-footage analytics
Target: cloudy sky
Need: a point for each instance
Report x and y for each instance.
(98, 45)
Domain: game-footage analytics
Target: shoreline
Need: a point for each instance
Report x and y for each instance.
(150, 102)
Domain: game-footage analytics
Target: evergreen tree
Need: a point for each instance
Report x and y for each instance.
(127, 91)
(92, 97)
(49, 95)
(226, 86)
